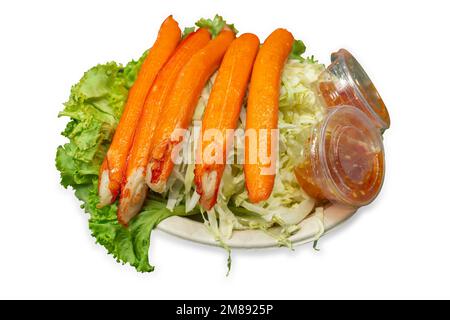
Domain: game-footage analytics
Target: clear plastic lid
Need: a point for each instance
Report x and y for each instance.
(348, 157)
(346, 82)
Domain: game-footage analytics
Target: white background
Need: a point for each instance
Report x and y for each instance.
(398, 247)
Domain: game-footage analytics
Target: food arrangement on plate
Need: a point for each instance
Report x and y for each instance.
(214, 127)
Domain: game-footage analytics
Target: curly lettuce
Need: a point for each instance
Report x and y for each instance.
(214, 26)
(95, 105)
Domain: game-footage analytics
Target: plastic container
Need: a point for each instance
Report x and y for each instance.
(344, 159)
(345, 82)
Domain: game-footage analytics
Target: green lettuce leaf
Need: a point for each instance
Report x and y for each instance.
(215, 25)
(187, 31)
(95, 105)
(297, 51)
(128, 245)
(298, 48)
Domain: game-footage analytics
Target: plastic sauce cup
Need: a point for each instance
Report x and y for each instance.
(345, 82)
(344, 159)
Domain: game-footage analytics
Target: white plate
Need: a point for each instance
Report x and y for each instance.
(195, 231)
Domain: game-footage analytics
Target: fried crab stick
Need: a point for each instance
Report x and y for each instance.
(112, 169)
(222, 115)
(180, 107)
(134, 188)
(262, 111)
